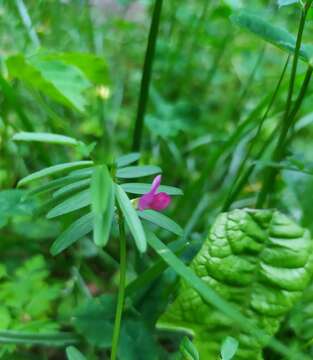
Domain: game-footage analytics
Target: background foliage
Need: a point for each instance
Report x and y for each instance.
(74, 68)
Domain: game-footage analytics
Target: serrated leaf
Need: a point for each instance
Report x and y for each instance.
(53, 170)
(131, 172)
(73, 233)
(73, 203)
(161, 220)
(73, 354)
(257, 259)
(127, 159)
(141, 188)
(229, 348)
(45, 137)
(131, 219)
(102, 193)
(268, 32)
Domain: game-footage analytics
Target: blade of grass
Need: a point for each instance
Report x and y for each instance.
(26, 338)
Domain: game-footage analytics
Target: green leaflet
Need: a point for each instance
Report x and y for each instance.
(273, 34)
(102, 204)
(257, 259)
(73, 354)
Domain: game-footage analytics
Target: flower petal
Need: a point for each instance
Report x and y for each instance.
(155, 184)
(160, 201)
(145, 201)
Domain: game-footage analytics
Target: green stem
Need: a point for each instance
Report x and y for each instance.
(279, 151)
(146, 76)
(288, 118)
(121, 290)
(27, 22)
(239, 184)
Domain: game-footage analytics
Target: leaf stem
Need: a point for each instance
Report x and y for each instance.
(146, 76)
(121, 290)
(288, 118)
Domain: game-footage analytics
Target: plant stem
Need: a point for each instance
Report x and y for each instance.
(238, 185)
(278, 154)
(27, 22)
(270, 174)
(121, 290)
(146, 76)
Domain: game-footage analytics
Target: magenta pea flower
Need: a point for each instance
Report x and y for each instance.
(154, 200)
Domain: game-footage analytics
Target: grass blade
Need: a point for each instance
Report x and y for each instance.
(25, 338)
(161, 220)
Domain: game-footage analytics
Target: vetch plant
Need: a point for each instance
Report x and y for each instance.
(97, 192)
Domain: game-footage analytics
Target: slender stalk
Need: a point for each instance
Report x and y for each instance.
(279, 151)
(238, 184)
(270, 174)
(146, 76)
(121, 290)
(27, 22)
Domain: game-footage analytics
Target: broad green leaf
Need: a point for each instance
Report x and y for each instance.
(94, 67)
(94, 320)
(161, 220)
(61, 82)
(70, 188)
(73, 203)
(268, 32)
(73, 354)
(137, 171)
(76, 231)
(187, 350)
(259, 260)
(53, 170)
(229, 348)
(127, 159)
(102, 204)
(287, 2)
(45, 137)
(141, 188)
(131, 219)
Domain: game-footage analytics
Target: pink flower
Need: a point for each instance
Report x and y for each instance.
(152, 199)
